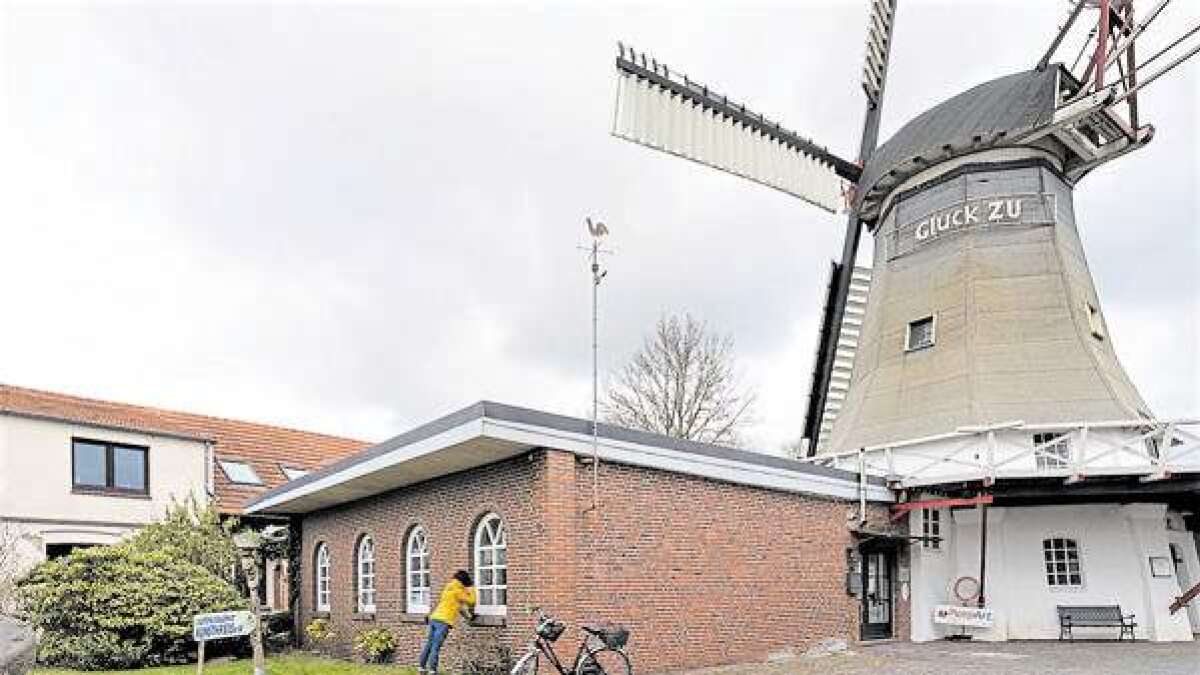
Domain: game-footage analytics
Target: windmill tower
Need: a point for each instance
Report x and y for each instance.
(982, 308)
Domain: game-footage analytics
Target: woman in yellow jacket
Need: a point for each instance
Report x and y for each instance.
(458, 595)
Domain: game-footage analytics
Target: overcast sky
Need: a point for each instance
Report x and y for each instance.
(356, 218)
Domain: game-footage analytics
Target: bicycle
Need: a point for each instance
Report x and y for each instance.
(601, 652)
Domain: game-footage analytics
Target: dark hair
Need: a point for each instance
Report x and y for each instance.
(464, 578)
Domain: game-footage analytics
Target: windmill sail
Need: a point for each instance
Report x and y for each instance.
(668, 112)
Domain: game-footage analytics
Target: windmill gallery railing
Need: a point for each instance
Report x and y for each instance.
(1151, 450)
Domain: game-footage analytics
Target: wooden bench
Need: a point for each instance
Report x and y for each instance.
(1094, 616)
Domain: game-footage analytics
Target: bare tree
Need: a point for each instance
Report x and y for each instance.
(682, 383)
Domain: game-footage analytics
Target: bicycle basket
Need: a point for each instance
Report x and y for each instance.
(551, 630)
(613, 637)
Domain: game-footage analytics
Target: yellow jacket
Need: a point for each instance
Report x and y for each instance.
(454, 595)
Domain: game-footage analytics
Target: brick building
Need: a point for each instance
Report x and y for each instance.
(708, 555)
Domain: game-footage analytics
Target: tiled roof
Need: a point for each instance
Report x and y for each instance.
(266, 448)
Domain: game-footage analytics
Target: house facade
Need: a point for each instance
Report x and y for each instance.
(65, 484)
(691, 547)
(82, 472)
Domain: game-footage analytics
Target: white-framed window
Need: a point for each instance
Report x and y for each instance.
(491, 565)
(365, 570)
(417, 591)
(1063, 568)
(1052, 450)
(292, 473)
(1095, 323)
(921, 334)
(240, 473)
(931, 527)
(321, 578)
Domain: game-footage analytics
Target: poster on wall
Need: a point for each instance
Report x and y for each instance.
(977, 617)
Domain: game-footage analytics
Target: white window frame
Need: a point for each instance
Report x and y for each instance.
(1052, 451)
(490, 561)
(292, 473)
(364, 570)
(1054, 577)
(418, 587)
(908, 333)
(931, 526)
(231, 466)
(322, 580)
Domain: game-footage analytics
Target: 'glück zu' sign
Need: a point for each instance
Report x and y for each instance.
(1029, 209)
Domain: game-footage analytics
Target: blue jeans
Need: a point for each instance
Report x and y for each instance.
(433, 645)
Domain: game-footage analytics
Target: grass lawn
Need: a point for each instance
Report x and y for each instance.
(278, 665)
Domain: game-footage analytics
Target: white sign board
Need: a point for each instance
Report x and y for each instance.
(222, 625)
(978, 617)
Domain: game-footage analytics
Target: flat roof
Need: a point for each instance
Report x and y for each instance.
(488, 432)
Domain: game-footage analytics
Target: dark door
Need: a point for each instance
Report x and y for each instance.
(877, 594)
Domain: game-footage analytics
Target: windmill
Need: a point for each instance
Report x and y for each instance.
(1021, 141)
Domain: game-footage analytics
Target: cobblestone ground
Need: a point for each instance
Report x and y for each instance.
(1020, 658)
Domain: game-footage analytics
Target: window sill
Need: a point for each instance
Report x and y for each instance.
(321, 614)
(363, 616)
(110, 493)
(489, 621)
(413, 618)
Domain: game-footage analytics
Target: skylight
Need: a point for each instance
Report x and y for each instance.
(292, 473)
(240, 473)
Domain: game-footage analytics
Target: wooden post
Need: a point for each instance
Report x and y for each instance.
(200, 661)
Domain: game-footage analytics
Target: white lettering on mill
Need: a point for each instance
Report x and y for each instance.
(999, 211)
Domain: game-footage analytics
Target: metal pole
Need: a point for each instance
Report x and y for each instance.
(200, 660)
(1102, 45)
(595, 374)
(983, 527)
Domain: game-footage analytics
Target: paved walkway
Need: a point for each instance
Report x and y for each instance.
(1019, 658)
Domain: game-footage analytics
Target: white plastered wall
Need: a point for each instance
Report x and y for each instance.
(36, 498)
(1115, 542)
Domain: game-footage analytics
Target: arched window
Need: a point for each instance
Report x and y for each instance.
(491, 565)
(416, 571)
(365, 581)
(321, 580)
(1061, 556)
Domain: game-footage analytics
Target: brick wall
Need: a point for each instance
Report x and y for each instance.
(701, 572)
(707, 573)
(448, 508)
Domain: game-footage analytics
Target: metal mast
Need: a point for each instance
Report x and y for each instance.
(598, 230)
(879, 46)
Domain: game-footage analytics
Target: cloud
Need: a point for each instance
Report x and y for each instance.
(354, 218)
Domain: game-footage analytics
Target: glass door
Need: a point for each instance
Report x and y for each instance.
(877, 594)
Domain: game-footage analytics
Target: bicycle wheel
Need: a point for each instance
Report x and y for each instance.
(528, 665)
(605, 662)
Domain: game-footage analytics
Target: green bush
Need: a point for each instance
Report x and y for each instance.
(195, 534)
(120, 606)
(320, 631)
(375, 645)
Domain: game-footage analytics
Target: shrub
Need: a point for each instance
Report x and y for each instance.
(375, 645)
(320, 631)
(195, 534)
(484, 654)
(120, 607)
